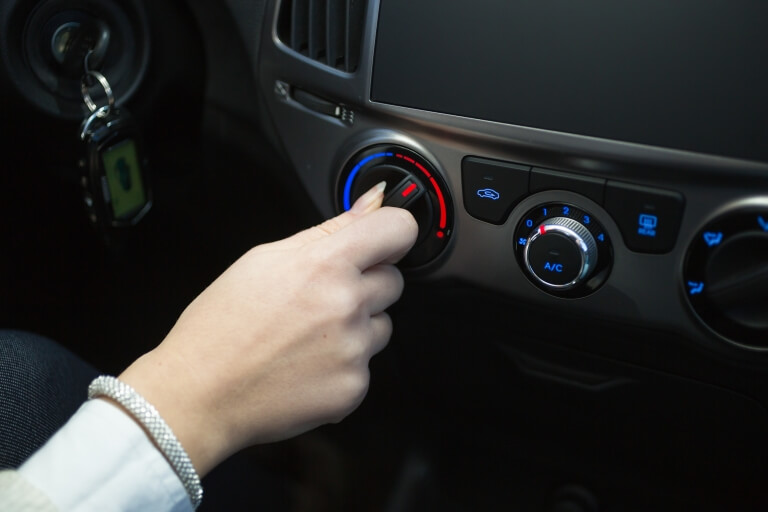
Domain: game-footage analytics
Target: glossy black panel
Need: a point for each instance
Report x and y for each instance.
(685, 75)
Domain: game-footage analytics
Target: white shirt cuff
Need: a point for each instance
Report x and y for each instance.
(102, 460)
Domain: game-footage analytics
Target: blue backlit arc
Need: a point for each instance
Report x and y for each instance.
(351, 177)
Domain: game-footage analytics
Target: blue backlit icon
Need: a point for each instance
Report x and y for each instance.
(553, 267)
(488, 193)
(763, 223)
(695, 287)
(601, 237)
(522, 241)
(529, 223)
(712, 239)
(647, 224)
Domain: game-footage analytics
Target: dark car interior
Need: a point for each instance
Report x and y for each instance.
(585, 320)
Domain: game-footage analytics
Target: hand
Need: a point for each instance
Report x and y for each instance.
(280, 342)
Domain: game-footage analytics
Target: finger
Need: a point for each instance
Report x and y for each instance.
(383, 285)
(368, 202)
(378, 237)
(381, 326)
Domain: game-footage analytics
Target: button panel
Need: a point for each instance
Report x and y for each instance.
(649, 218)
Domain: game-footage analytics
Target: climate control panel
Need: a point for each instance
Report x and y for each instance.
(572, 234)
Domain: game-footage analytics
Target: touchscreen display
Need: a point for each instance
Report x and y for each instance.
(684, 74)
(123, 175)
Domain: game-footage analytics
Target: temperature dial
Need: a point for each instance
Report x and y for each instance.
(563, 250)
(413, 184)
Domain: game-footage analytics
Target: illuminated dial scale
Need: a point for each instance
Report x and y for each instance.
(563, 250)
(413, 184)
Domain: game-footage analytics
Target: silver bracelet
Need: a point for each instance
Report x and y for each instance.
(158, 429)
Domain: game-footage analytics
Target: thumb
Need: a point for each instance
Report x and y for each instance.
(367, 203)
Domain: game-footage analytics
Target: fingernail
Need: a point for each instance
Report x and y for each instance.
(370, 201)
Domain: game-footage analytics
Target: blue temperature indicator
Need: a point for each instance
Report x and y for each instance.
(763, 223)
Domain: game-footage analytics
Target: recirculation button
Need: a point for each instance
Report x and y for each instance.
(492, 188)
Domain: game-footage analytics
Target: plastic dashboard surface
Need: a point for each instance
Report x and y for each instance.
(645, 287)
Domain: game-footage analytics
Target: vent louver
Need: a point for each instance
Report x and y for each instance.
(327, 31)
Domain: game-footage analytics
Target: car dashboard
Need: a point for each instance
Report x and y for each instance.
(585, 321)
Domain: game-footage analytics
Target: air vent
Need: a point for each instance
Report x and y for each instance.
(327, 31)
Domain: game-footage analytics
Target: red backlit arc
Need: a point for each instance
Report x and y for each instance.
(440, 196)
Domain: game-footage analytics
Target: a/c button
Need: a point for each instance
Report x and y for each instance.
(491, 187)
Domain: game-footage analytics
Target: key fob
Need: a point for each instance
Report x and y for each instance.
(115, 179)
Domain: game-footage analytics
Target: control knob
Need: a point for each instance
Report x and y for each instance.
(561, 253)
(563, 250)
(726, 276)
(413, 183)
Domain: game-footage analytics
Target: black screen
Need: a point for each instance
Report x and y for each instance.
(684, 74)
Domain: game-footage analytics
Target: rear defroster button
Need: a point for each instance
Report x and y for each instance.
(649, 218)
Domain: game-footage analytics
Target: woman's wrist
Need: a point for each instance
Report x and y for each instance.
(184, 409)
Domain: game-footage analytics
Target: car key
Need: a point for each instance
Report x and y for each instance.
(115, 180)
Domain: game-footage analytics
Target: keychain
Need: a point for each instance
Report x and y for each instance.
(115, 179)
